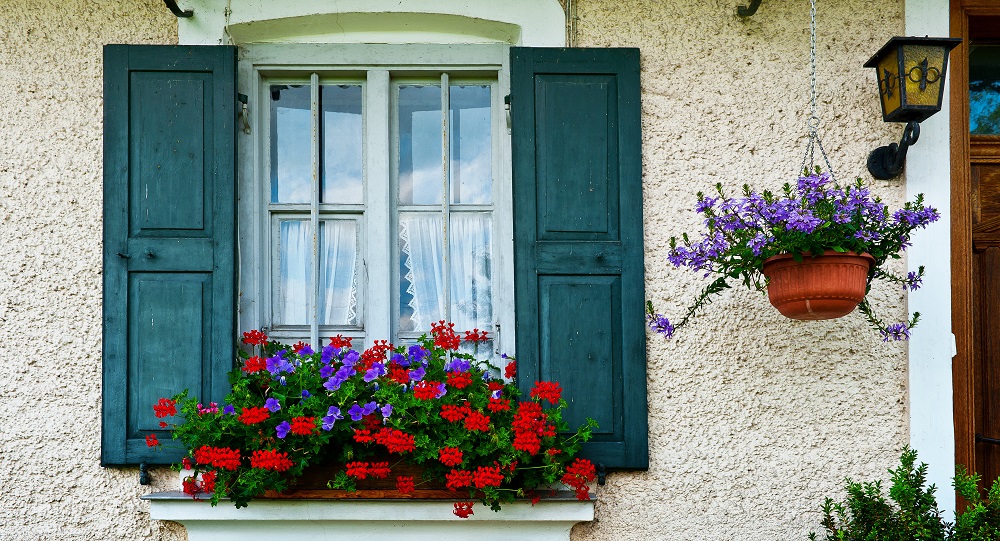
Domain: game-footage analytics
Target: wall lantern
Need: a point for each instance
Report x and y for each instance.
(910, 73)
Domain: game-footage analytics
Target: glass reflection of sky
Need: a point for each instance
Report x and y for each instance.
(984, 90)
(291, 154)
(471, 145)
(420, 145)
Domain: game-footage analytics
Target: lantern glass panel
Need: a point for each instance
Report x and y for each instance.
(984, 89)
(923, 69)
(888, 82)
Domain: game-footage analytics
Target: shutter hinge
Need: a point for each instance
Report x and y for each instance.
(602, 474)
(143, 473)
(244, 113)
(506, 106)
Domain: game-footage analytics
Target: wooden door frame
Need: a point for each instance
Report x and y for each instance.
(965, 383)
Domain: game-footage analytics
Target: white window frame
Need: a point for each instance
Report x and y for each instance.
(376, 63)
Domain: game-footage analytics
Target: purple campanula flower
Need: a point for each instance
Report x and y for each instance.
(660, 324)
(272, 404)
(282, 429)
(705, 204)
(913, 281)
(896, 331)
(496, 394)
(356, 412)
(283, 381)
(229, 410)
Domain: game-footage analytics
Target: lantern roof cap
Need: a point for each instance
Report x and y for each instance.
(948, 43)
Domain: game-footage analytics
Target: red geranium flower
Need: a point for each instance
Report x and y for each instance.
(254, 364)
(254, 337)
(487, 477)
(151, 441)
(363, 435)
(498, 404)
(459, 380)
(270, 460)
(165, 407)
(444, 335)
(510, 370)
(304, 426)
(477, 421)
(426, 390)
(475, 335)
(404, 484)
(399, 374)
(358, 470)
(252, 416)
(379, 470)
(396, 441)
(453, 413)
(456, 479)
(340, 342)
(463, 509)
(450, 456)
(547, 390)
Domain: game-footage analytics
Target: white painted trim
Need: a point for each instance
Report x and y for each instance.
(378, 250)
(932, 429)
(369, 520)
(534, 23)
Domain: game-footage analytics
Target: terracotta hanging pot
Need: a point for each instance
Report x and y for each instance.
(825, 287)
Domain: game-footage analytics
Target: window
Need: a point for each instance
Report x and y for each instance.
(379, 214)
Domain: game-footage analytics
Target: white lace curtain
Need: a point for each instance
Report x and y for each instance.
(338, 279)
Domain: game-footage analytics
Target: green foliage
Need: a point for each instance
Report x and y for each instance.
(980, 521)
(910, 512)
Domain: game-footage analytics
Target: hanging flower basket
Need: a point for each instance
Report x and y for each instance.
(823, 287)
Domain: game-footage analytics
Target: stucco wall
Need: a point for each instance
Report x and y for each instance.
(753, 418)
(51, 483)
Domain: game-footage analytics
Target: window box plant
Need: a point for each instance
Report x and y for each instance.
(773, 241)
(374, 415)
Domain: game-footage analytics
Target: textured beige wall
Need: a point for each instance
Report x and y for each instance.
(51, 483)
(753, 418)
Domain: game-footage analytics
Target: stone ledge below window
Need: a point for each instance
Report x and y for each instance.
(550, 519)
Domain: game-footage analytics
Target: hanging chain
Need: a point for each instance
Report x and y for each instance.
(813, 122)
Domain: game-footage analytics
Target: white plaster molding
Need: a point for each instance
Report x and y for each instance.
(368, 520)
(932, 429)
(536, 23)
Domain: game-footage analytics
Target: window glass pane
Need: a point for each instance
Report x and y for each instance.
(294, 273)
(291, 153)
(984, 89)
(471, 261)
(421, 271)
(341, 132)
(338, 256)
(471, 144)
(419, 132)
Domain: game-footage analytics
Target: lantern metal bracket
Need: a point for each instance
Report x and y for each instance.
(887, 162)
(602, 474)
(748, 11)
(143, 473)
(172, 5)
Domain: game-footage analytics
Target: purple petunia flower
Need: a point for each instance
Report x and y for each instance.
(356, 412)
(457, 365)
(332, 416)
(400, 359)
(417, 373)
(326, 371)
(418, 354)
(229, 410)
(326, 355)
(306, 394)
(369, 408)
(306, 350)
(282, 429)
(278, 364)
(376, 371)
(351, 357)
(272, 404)
(386, 411)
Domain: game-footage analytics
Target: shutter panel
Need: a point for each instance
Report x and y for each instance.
(578, 252)
(169, 237)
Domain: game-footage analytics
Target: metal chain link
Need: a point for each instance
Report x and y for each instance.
(813, 122)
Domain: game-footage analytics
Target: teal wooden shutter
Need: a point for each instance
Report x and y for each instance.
(169, 237)
(578, 252)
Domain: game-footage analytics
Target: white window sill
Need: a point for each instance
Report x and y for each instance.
(369, 520)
